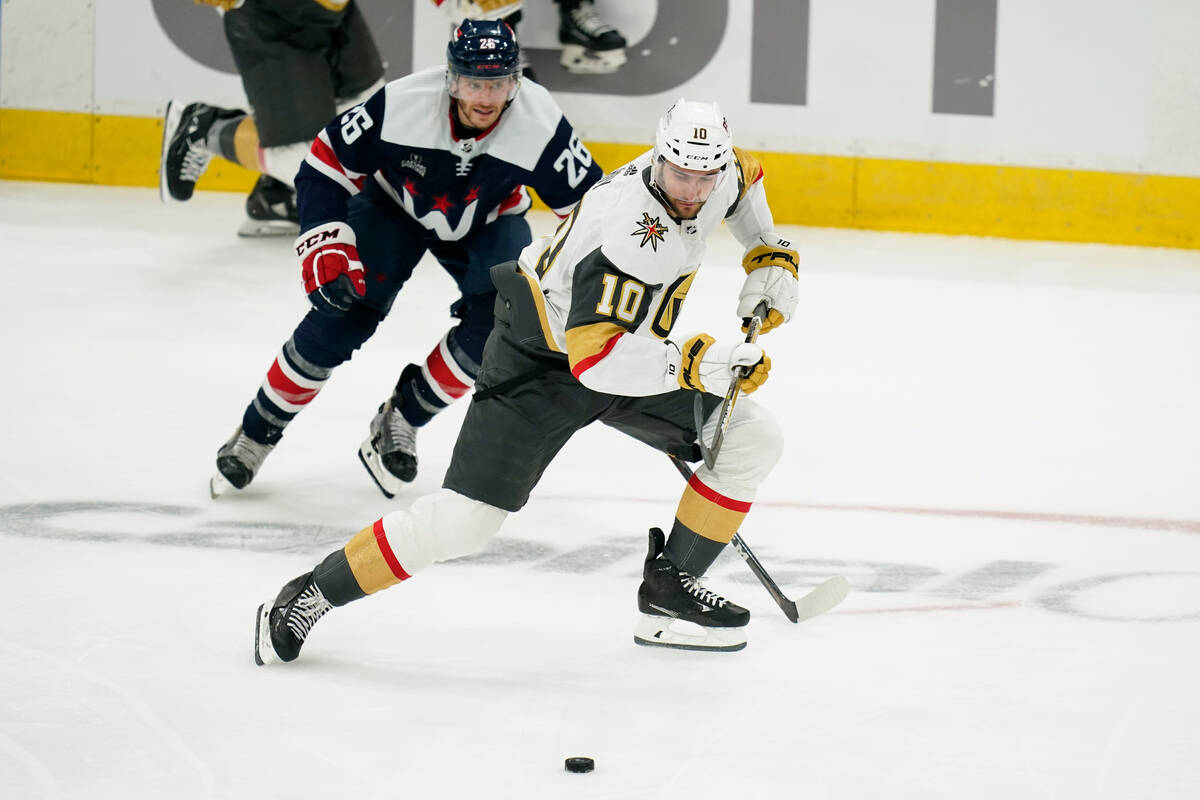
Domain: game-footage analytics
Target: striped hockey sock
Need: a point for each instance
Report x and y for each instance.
(289, 386)
(447, 374)
(705, 522)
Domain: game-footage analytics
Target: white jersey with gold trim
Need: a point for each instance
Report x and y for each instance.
(613, 277)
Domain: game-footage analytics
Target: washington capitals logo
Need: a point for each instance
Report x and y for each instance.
(651, 231)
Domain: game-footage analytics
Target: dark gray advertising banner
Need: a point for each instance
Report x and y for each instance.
(682, 40)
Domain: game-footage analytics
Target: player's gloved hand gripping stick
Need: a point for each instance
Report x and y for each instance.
(709, 452)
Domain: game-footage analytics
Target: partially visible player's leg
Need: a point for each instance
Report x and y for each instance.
(712, 507)
(425, 390)
(300, 370)
(438, 527)
(716, 500)
(589, 44)
(271, 206)
(295, 92)
(354, 60)
(291, 91)
(449, 371)
(192, 134)
(498, 458)
(389, 250)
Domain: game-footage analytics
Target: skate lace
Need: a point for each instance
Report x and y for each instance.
(696, 589)
(194, 162)
(588, 20)
(398, 434)
(309, 607)
(249, 452)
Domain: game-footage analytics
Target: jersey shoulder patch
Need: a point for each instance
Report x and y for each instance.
(749, 170)
(421, 90)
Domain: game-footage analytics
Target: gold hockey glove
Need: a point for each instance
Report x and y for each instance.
(771, 277)
(707, 365)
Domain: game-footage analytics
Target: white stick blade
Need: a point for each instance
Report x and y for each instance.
(823, 598)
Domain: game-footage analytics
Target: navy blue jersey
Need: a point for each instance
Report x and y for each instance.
(402, 139)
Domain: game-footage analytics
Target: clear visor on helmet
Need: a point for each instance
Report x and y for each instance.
(685, 187)
(475, 89)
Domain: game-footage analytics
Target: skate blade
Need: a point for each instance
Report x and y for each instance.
(171, 119)
(654, 631)
(264, 653)
(577, 59)
(217, 485)
(388, 483)
(263, 228)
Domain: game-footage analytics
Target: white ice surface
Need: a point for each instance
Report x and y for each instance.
(997, 442)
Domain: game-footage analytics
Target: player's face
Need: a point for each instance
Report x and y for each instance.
(480, 100)
(687, 189)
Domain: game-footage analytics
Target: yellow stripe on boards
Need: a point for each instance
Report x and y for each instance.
(803, 189)
(46, 145)
(87, 148)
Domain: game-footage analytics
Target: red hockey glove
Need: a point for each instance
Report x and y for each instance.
(332, 274)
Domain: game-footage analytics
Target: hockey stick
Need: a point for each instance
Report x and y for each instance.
(821, 599)
(709, 452)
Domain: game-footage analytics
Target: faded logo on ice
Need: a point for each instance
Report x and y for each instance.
(1133, 596)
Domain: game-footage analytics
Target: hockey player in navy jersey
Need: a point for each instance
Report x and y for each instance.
(437, 161)
(584, 333)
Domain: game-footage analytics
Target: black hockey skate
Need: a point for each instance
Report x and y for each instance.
(185, 153)
(281, 627)
(589, 44)
(679, 612)
(271, 210)
(390, 451)
(238, 461)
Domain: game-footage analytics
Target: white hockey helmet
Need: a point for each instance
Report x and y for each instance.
(694, 135)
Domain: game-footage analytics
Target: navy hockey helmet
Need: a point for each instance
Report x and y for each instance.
(483, 49)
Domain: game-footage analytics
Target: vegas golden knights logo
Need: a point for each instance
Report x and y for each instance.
(668, 309)
(651, 231)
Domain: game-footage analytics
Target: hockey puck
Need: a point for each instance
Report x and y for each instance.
(580, 764)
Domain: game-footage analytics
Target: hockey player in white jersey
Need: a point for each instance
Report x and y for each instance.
(583, 333)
